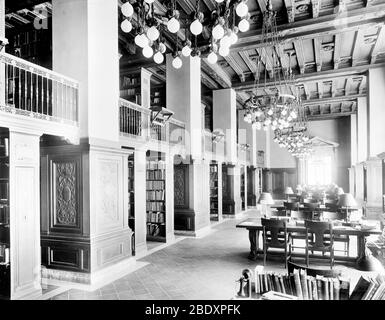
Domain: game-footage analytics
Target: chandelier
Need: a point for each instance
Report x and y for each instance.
(218, 30)
(295, 138)
(271, 106)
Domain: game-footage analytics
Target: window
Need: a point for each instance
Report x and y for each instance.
(319, 170)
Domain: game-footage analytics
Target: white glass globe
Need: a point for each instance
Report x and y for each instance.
(140, 41)
(233, 38)
(177, 63)
(219, 1)
(149, 1)
(126, 26)
(162, 47)
(225, 41)
(186, 51)
(196, 27)
(173, 25)
(212, 57)
(242, 9)
(127, 9)
(243, 25)
(224, 51)
(147, 52)
(158, 57)
(153, 33)
(218, 32)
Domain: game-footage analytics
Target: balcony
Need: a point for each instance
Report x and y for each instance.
(135, 123)
(39, 94)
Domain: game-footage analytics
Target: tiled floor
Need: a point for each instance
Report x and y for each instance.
(204, 268)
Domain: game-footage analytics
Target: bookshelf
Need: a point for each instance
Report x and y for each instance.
(156, 199)
(228, 204)
(4, 218)
(130, 88)
(158, 96)
(214, 214)
(131, 200)
(243, 187)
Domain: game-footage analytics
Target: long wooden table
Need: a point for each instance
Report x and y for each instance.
(254, 226)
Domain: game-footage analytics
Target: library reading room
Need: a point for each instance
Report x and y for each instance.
(192, 150)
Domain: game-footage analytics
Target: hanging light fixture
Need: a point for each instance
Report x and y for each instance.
(271, 106)
(222, 25)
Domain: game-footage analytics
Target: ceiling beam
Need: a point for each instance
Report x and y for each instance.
(210, 4)
(208, 82)
(315, 6)
(299, 51)
(250, 64)
(235, 66)
(329, 116)
(290, 10)
(338, 99)
(362, 85)
(376, 47)
(358, 42)
(317, 54)
(188, 6)
(333, 88)
(317, 76)
(217, 73)
(322, 26)
(306, 89)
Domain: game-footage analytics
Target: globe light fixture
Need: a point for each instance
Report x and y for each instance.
(149, 1)
(233, 38)
(196, 27)
(148, 51)
(218, 32)
(162, 47)
(126, 26)
(224, 51)
(212, 57)
(244, 25)
(158, 57)
(153, 33)
(173, 25)
(127, 9)
(242, 9)
(141, 40)
(186, 50)
(219, 1)
(177, 62)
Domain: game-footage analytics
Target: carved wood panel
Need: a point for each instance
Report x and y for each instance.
(181, 186)
(65, 194)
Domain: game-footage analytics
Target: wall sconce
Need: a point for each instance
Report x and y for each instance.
(245, 147)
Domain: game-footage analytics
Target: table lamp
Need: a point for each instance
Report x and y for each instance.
(340, 191)
(265, 199)
(288, 192)
(347, 201)
(299, 189)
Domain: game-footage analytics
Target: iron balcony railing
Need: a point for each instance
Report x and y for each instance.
(34, 91)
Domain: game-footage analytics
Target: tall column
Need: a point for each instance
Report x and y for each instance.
(2, 68)
(183, 93)
(140, 200)
(25, 214)
(85, 47)
(94, 243)
(362, 129)
(353, 139)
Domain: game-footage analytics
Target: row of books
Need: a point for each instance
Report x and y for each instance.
(301, 285)
(155, 217)
(4, 254)
(157, 195)
(131, 171)
(155, 185)
(156, 175)
(155, 230)
(213, 169)
(127, 81)
(155, 206)
(156, 165)
(4, 147)
(127, 92)
(4, 214)
(369, 287)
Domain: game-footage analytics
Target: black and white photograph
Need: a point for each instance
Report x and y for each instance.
(211, 153)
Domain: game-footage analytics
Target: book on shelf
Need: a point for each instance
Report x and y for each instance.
(155, 206)
(155, 185)
(4, 254)
(155, 217)
(156, 165)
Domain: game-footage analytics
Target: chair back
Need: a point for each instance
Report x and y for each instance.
(272, 232)
(278, 213)
(331, 207)
(302, 215)
(291, 205)
(330, 201)
(336, 215)
(311, 205)
(332, 273)
(318, 229)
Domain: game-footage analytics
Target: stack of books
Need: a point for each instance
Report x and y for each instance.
(369, 288)
(301, 285)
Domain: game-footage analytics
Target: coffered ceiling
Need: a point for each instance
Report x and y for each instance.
(334, 43)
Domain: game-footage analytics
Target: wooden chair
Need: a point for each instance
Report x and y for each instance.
(331, 207)
(291, 206)
(343, 238)
(317, 241)
(329, 273)
(300, 215)
(275, 235)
